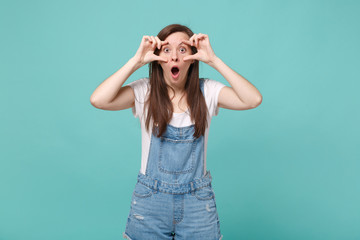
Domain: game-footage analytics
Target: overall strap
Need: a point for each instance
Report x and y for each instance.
(201, 80)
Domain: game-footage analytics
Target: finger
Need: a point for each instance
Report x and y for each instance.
(199, 38)
(206, 38)
(195, 40)
(153, 42)
(146, 38)
(202, 36)
(158, 58)
(192, 39)
(158, 41)
(190, 57)
(193, 36)
(186, 42)
(164, 42)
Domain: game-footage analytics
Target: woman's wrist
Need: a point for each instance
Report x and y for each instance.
(214, 61)
(135, 61)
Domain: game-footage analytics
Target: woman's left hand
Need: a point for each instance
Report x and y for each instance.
(204, 50)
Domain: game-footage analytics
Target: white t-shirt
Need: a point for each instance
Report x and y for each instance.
(211, 92)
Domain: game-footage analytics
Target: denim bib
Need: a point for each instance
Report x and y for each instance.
(176, 160)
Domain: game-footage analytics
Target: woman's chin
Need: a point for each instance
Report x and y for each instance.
(174, 80)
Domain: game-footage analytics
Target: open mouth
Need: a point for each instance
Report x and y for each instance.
(175, 71)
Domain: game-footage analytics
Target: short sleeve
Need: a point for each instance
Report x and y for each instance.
(140, 88)
(212, 89)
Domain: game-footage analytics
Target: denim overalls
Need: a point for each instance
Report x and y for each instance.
(174, 199)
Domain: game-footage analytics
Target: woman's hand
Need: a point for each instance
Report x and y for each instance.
(204, 50)
(145, 53)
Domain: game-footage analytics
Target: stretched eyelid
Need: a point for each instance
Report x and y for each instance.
(183, 48)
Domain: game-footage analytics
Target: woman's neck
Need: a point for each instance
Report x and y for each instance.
(177, 91)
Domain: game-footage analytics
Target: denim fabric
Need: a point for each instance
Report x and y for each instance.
(174, 199)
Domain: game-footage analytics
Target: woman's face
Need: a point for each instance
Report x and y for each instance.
(175, 69)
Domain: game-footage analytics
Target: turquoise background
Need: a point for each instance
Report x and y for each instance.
(288, 169)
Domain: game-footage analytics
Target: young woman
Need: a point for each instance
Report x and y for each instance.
(173, 197)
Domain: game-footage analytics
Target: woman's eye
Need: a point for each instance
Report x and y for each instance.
(182, 50)
(166, 50)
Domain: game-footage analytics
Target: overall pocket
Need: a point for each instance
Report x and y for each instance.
(177, 156)
(142, 191)
(205, 193)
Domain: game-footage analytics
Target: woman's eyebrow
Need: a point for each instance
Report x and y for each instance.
(178, 45)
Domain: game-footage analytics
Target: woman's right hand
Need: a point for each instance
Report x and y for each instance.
(145, 53)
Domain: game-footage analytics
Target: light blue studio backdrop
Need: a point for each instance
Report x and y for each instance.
(288, 169)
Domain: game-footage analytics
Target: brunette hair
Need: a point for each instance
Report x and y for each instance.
(158, 104)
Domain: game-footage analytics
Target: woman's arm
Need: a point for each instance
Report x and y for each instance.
(110, 95)
(112, 89)
(242, 94)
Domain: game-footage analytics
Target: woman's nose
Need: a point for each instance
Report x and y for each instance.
(174, 56)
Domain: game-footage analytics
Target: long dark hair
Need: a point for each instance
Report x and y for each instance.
(159, 105)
